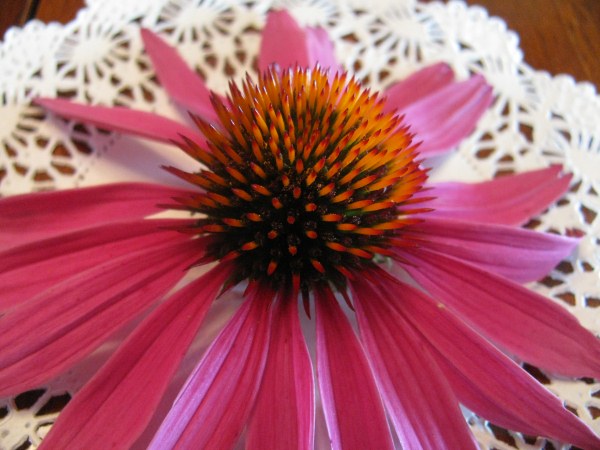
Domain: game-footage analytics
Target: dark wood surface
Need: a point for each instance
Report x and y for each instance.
(559, 36)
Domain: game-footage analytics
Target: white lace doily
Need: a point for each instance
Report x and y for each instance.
(536, 120)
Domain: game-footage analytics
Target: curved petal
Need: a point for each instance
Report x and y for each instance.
(31, 217)
(32, 268)
(96, 414)
(486, 380)
(183, 84)
(508, 200)
(140, 123)
(418, 85)
(519, 320)
(286, 44)
(283, 417)
(423, 408)
(518, 254)
(215, 403)
(346, 382)
(47, 334)
(444, 118)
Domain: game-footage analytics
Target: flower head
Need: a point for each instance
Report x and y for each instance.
(308, 178)
(308, 181)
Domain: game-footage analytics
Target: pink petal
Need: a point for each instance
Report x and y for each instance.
(444, 118)
(214, 405)
(417, 86)
(140, 123)
(32, 268)
(286, 44)
(47, 334)
(283, 42)
(320, 49)
(515, 253)
(351, 402)
(472, 395)
(284, 413)
(423, 408)
(139, 372)
(31, 217)
(182, 83)
(508, 396)
(508, 200)
(524, 323)
(487, 381)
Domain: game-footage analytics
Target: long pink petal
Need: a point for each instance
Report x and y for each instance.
(486, 380)
(283, 417)
(508, 396)
(351, 402)
(417, 86)
(139, 371)
(183, 84)
(214, 405)
(32, 268)
(443, 119)
(286, 44)
(518, 254)
(509, 200)
(421, 405)
(47, 334)
(31, 217)
(519, 320)
(140, 123)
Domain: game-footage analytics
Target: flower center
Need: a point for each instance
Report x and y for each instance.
(306, 179)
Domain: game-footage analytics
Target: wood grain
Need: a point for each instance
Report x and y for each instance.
(559, 36)
(14, 12)
(58, 10)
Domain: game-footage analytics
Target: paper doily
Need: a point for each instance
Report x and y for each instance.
(536, 120)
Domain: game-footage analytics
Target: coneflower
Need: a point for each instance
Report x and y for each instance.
(306, 186)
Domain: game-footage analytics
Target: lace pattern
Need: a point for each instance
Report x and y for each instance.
(536, 120)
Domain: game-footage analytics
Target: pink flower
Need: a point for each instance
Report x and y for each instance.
(309, 181)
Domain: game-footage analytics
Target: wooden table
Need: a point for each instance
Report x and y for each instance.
(560, 36)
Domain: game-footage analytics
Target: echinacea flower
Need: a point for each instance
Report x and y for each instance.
(310, 191)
